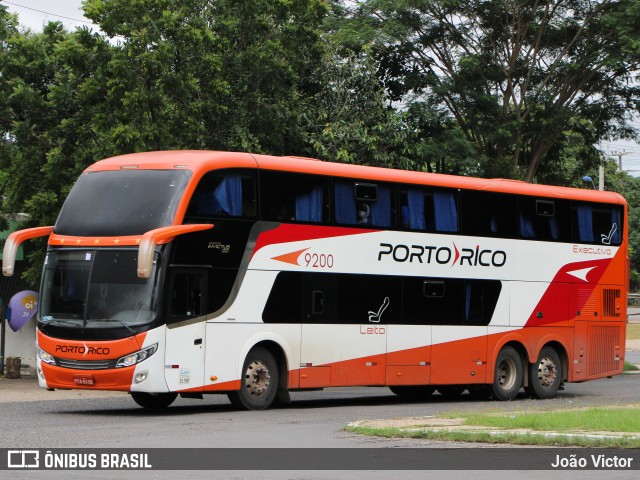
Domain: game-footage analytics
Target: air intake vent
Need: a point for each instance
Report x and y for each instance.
(604, 345)
(611, 306)
(587, 301)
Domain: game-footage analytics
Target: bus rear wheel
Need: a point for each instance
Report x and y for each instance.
(153, 401)
(507, 378)
(545, 375)
(259, 382)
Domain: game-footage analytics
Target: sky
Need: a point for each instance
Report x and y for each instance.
(35, 13)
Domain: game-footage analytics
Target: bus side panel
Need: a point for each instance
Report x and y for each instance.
(408, 355)
(459, 355)
(356, 353)
(228, 344)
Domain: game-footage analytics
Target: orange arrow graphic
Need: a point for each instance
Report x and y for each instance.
(291, 258)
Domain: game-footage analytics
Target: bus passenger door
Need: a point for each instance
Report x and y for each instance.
(185, 346)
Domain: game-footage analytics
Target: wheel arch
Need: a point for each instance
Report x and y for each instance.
(281, 360)
(280, 350)
(517, 341)
(560, 348)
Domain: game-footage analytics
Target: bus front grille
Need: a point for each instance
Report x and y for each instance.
(86, 364)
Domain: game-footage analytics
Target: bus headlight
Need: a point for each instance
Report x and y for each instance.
(137, 357)
(45, 357)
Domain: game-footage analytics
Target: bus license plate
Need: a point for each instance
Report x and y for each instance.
(83, 380)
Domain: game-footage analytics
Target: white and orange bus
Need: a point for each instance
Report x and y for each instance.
(194, 272)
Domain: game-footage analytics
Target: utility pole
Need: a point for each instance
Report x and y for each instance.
(620, 154)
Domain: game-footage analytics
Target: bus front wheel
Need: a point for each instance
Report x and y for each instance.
(507, 378)
(259, 382)
(545, 375)
(153, 401)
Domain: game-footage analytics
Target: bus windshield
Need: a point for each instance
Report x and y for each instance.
(121, 202)
(97, 289)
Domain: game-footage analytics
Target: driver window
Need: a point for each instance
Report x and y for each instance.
(187, 295)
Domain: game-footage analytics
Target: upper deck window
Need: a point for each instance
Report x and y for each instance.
(361, 203)
(293, 197)
(545, 219)
(224, 194)
(121, 202)
(429, 210)
(489, 214)
(597, 223)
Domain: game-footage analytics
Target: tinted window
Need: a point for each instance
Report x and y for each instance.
(597, 223)
(434, 301)
(283, 304)
(545, 219)
(366, 204)
(450, 301)
(224, 194)
(122, 202)
(369, 299)
(489, 214)
(288, 197)
(429, 210)
(372, 299)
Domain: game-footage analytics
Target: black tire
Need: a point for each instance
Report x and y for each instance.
(259, 381)
(507, 375)
(153, 401)
(451, 391)
(410, 392)
(545, 375)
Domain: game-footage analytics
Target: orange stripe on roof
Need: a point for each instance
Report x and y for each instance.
(202, 161)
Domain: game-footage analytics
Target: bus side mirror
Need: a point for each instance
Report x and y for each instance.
(152, 238)
(14, 241)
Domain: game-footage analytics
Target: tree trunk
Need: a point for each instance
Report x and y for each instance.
(13, 367)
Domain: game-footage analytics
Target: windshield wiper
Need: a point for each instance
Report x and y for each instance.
(59, 321)
(121, 323)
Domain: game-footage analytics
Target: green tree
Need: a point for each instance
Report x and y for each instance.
(53, 90)
(352, 119)
(515, 75)
(218, 75)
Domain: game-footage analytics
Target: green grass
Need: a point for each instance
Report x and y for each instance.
(633, 331)
(630, 367)
(499, 438)
(589, 420)
(576, 428)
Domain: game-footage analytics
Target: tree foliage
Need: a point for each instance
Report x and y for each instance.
(516, 75)
(486, 88)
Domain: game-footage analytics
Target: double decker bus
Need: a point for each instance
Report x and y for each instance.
(195, 272)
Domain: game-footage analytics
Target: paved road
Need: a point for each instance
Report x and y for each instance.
(314, 419)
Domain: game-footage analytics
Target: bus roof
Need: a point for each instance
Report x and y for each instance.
(202, 161)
